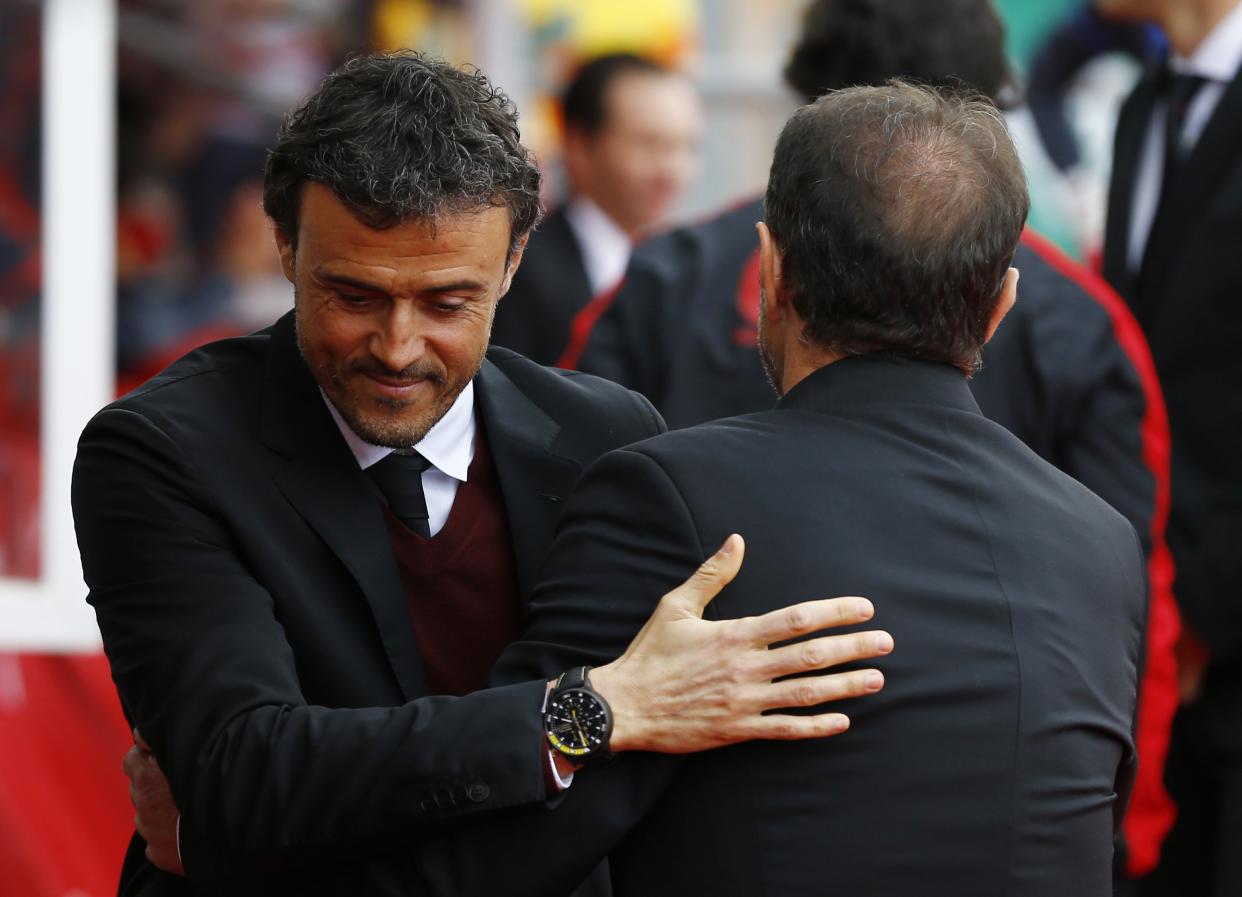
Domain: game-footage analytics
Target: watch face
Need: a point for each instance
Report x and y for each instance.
(577, 723)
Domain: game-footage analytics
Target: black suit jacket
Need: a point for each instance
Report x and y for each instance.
(550, 287)
(253, 615)
(682, 329)
(1186, 298)
(998, 757)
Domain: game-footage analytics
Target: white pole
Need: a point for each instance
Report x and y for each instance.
(79, 276)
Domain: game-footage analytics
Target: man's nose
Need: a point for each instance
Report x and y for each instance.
(400, 341)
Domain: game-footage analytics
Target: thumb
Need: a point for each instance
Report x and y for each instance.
(693, 595)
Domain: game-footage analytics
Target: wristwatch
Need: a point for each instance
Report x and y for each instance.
(577, 719)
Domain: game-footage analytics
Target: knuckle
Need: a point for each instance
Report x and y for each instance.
(862, 645)
(669, 607)
(733, 634)
(798, 619)
(737, 671)
(786, 730)
(734, 702)
(856, 683)
(814, 655)
(806, 694)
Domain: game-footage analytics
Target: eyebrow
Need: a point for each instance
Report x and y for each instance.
(459, 286)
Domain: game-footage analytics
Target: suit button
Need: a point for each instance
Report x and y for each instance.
(478, 792)
(427, 805)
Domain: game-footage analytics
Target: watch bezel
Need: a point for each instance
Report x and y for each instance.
(602, 723)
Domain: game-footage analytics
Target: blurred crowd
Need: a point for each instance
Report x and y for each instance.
(609, 286)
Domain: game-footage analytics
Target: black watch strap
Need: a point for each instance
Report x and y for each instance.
(573, 678)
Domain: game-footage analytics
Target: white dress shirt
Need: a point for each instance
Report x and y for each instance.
(448, 446)
(605, 246)
(1217, 60)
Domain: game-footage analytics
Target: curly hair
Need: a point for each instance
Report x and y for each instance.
(897, 210)
(948, 43)
(401, 136)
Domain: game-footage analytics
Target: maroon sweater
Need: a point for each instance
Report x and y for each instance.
(461, 584)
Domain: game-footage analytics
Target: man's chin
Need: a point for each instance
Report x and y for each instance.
(390, 424)
(390, 433)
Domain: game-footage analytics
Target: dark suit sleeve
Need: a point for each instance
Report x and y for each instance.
(1102, 435)
(625, 539)
(206, 673)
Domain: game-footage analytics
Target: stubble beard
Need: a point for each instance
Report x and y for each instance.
(386, 425)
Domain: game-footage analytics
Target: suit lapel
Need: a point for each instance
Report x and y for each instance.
(1203, 174)
(320, 477)
(574, 283)
(534, 480)
(1131, 132)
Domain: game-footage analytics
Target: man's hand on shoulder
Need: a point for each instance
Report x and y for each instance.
(687, 684)
(155, 814)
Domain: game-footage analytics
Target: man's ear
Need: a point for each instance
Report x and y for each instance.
(1008, 296)
(285, 247)
(770, 275)
(511, 266)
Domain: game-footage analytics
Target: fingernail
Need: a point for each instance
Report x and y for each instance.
(840, 724)
(727, 548)
(873, 681)
(865, 609)
(883, 642)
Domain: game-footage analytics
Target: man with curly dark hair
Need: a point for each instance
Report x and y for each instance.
(307, 547)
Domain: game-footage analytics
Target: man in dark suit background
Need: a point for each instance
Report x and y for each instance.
(293, 539)
(1170, 248)
(999, 757)
(632, 131)
(1069, 374)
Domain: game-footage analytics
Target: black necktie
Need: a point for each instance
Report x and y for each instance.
(1179, 93)
(400, 479)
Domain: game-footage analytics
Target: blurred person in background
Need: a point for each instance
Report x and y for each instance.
(20, 279)
(1055, 71)
(202, 88)
(1171, 249)
(1068, 372)
(632, 130)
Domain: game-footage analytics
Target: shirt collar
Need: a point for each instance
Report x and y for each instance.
(605, 246)
(1219, 56)
(449, 445)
